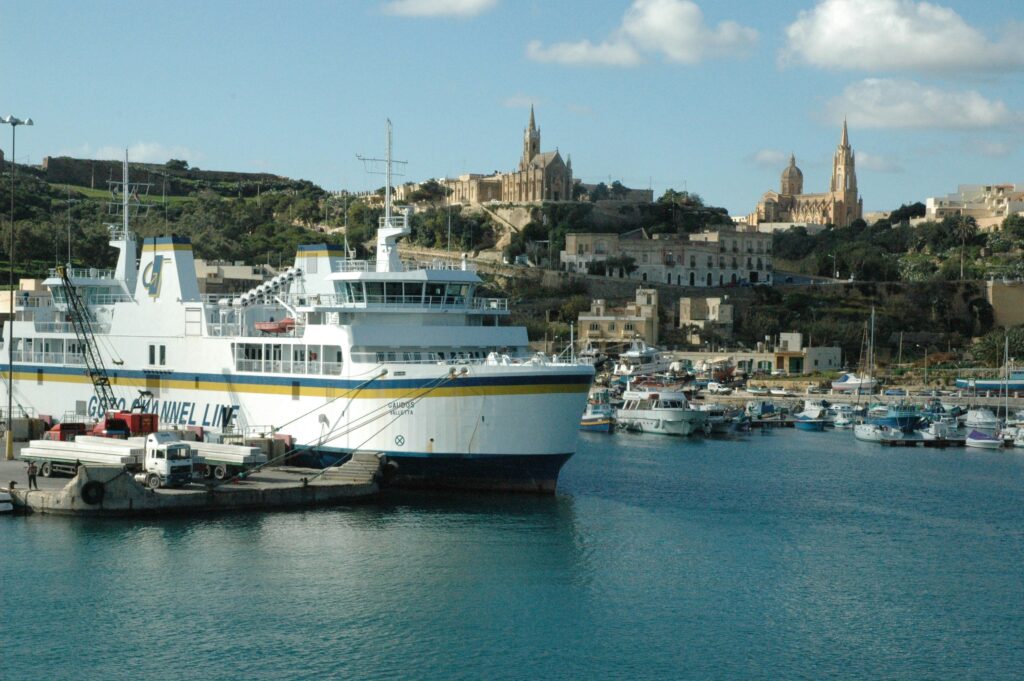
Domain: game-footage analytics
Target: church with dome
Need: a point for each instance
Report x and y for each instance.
(839, 206)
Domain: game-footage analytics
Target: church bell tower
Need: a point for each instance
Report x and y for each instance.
(531, 142)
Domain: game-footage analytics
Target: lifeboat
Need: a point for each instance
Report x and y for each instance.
(283, 326)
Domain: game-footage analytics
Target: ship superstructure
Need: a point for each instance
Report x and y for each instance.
(339, 354)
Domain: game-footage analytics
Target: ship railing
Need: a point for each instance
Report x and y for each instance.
(85, 273)
(38, 357)
(399, 301)
(108, 298)
(407, 265)
(68, 327)
(280, 366)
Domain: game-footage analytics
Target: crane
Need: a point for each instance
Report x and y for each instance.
(78, 313)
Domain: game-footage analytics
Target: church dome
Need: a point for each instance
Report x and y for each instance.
(792, 179)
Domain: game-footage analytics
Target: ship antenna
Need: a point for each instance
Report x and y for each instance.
(391, 227)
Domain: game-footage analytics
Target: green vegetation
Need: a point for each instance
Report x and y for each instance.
(888, 250)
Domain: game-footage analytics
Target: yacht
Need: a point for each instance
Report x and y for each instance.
(642, 358)
(981, 420)
(662, 412)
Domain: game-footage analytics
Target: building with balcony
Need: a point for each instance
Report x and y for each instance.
(988, 204)
(603, 326)
(726, 257)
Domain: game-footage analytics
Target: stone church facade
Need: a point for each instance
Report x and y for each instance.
(839, 206)
(541, 176)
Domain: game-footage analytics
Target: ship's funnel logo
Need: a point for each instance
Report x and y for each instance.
(151, 275)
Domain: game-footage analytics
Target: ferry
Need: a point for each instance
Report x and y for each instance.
(334, 354)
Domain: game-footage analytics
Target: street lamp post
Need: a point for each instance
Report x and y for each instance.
(14, 123)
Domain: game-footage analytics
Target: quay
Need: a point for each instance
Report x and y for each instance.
(111, 491)
(938, 443)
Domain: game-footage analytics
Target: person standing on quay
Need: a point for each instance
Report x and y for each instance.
(32, 470)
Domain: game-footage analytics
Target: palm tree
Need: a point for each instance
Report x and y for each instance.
(966, 227)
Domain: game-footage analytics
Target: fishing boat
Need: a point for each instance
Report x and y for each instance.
(902, 416)
(719, 417)
(410, 359)
(813, 417)
(661, 412)
(845, 416)
(599, 415)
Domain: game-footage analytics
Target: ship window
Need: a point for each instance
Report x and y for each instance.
(357, 292)
(413, 292)
(435, 293)
(163, 355)
(152, 355)
(393, 291)
(374, 292)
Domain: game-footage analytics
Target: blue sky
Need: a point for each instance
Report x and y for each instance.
(707, 96)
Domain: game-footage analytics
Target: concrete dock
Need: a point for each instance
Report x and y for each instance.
(106, 491)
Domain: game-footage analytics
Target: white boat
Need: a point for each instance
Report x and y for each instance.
(848, 383)
(719, 417)
(982, 420)
(662, 412)
(873, 432)
(407, 359)
(845, 417)
(642, 358)
(982, 440)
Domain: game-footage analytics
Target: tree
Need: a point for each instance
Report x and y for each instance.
(965, 228)
(176, 164)
(430, 191)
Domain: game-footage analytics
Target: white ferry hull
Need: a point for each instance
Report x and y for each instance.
(490, 428)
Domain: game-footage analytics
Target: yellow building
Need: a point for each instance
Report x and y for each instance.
(604, 326)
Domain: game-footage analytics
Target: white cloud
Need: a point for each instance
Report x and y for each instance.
(584, 53)
(438, 8)
(884, 103)
(991, 148)
(520, 101)
(140, 152)
(877, 163)
(769, 158)
(897, 35)
(674, 29)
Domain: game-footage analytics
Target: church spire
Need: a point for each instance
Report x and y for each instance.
(533, 126)
(845, 142)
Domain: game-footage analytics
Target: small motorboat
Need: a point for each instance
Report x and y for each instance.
(981, 440)
(874, 432)
(5, 503)
(982, 420)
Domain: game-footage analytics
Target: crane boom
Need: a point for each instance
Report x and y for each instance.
(81, 323)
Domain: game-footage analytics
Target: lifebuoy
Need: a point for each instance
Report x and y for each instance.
(92, 492)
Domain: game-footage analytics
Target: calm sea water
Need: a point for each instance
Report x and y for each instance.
(777, 555)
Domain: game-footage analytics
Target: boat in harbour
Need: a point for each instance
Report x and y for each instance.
(599, 416)
(853, 383)
(981, 440)
(387, 355)
(642, 358)
(813, 417)
(901, 416)
(662, 412)
(982, 420)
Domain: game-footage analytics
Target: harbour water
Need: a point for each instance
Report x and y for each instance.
(773, 555)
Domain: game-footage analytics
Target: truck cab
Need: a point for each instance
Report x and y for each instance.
(168, 461)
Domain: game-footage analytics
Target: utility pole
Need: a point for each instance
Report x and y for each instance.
(69, 201)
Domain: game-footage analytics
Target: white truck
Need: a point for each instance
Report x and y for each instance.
(157, 460)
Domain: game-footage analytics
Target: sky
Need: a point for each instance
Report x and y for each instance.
(707, 97)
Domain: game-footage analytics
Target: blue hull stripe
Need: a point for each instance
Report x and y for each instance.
(287, 381)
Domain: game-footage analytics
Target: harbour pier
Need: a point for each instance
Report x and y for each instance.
(112, 491)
